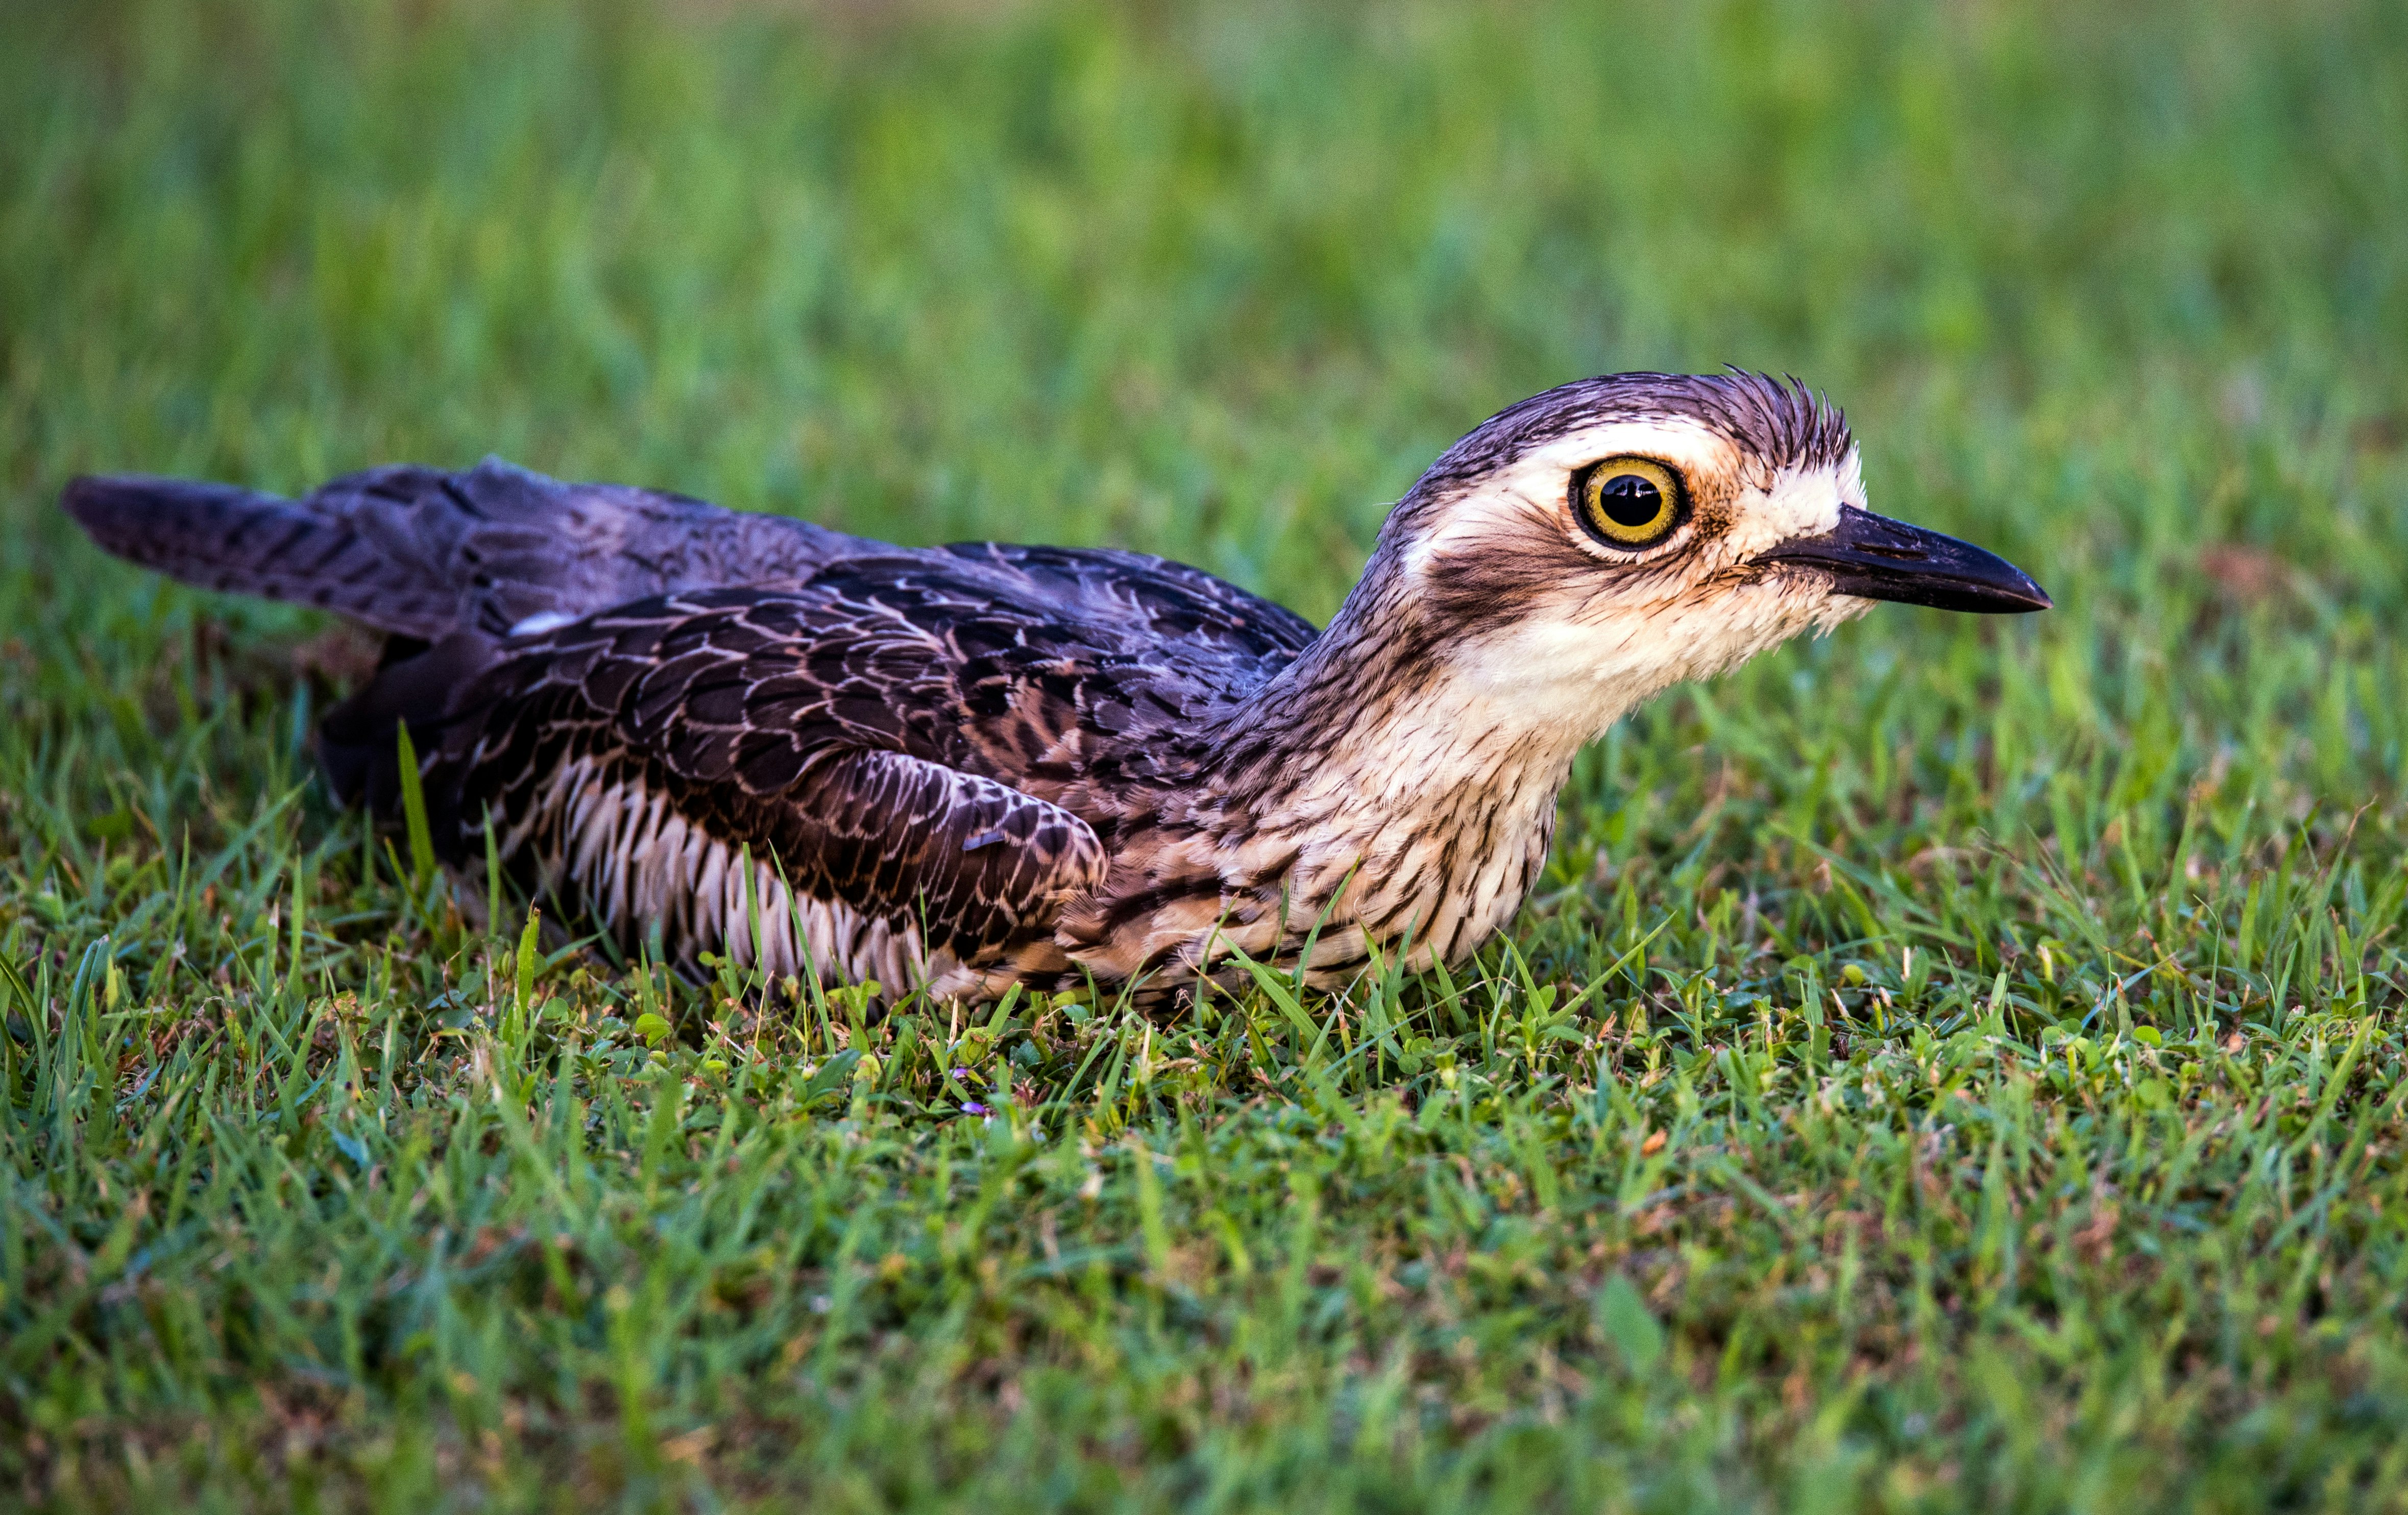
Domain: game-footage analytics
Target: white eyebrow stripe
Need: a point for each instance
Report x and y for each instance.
(1536, 482)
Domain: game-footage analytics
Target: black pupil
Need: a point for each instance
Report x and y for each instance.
(1630, 499)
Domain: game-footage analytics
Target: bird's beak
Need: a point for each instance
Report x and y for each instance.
(1876, 558)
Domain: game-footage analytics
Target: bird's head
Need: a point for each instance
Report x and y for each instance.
(1595, 543)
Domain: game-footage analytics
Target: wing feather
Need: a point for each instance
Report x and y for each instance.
(633, 761)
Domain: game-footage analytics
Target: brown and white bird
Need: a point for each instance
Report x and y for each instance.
(960, 768)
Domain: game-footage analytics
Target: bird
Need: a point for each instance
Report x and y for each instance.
(954, 770)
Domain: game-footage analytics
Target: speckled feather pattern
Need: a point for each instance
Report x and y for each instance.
(965, 768)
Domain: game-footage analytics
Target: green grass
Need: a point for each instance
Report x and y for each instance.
(1956, 1065)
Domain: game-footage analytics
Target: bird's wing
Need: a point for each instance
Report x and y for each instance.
(855, 736)
(1169, 601)
(425, 552)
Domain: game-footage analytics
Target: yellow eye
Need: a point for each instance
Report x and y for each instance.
(1628, 501)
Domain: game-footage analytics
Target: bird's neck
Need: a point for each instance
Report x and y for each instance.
(1386, 706)
(1402, 790)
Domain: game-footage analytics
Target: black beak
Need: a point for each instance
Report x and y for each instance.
(1876, 558)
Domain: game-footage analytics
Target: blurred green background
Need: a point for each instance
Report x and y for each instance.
(1218, 280)
(2093, 1198)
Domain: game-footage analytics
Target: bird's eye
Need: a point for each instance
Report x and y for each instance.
(1627, 503)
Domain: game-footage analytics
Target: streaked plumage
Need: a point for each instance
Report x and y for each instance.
(968, 766)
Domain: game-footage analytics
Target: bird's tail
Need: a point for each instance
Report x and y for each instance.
(425, 553)
(226, 537)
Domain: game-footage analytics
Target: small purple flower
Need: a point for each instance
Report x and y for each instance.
(971, 1106)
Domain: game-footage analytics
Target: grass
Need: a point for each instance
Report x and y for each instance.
(1956, 1065)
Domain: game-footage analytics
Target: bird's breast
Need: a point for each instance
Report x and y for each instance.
(1330, 874)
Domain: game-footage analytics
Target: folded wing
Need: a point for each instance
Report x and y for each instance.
(690, 764)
